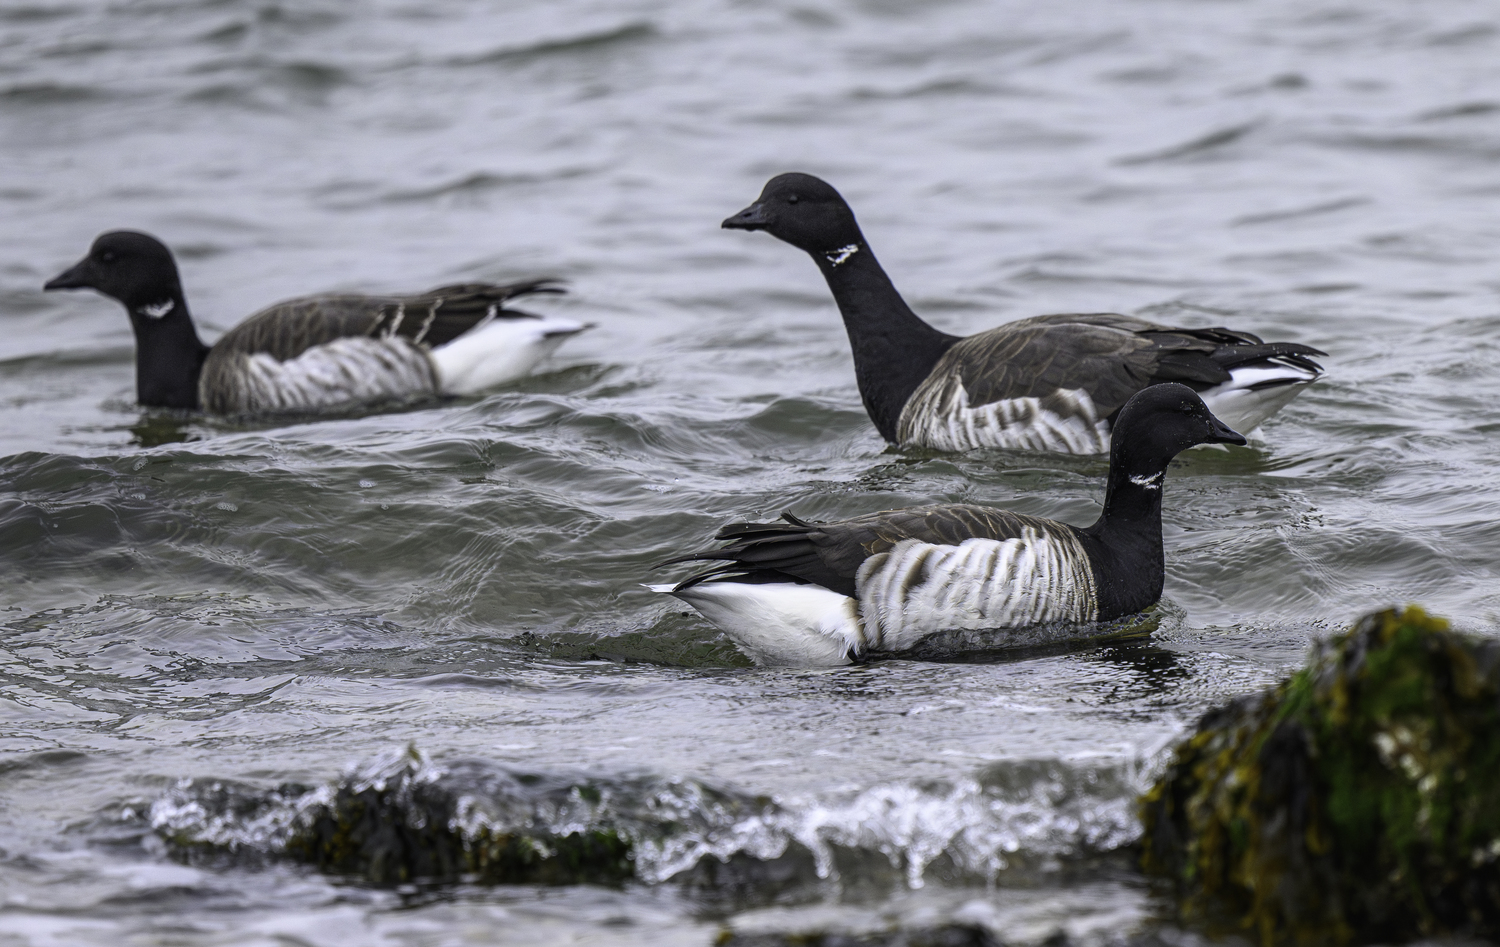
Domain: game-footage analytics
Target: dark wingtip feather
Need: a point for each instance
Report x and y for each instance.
(547, 284)
(564, 332)
(738, 530)
(527, 287)
(501, 292)
(766, 552)
(704, 556)
(1294, 353)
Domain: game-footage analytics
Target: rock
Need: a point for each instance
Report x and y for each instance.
(400, 817)
(959, 935)
(401, 823)
(948, 935)
(1357, 801)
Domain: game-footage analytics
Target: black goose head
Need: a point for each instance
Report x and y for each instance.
(135, 268)
(804, 211)
(1157, 424)
(138, 270)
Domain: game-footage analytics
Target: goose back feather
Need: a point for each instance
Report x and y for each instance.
(289, 328)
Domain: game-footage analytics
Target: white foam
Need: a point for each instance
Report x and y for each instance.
(1009, 814)
(1018, 811)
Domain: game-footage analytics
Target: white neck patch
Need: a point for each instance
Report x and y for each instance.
(158, 310)
(1152, 482)
(841, 254)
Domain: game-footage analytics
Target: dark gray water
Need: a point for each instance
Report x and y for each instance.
(188, 604)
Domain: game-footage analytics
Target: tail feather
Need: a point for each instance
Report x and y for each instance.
(1258, 390)
(779, 622)
(501, 292)
(758, 552)
(499, 352)
(439, 316)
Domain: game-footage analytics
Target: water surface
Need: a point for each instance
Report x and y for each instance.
(191, 603)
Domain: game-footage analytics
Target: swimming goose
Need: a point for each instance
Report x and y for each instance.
(816, 594)
(1044, 383)
(314, 352)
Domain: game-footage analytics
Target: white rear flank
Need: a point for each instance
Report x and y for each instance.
(919, 588)
(1234, 403)
(343, 371)
(497, 352)
(787, 624)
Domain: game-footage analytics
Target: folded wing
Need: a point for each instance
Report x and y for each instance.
(1113, 356)
(287, 329)
(1055, 382)
(313, 352)
(830, 554)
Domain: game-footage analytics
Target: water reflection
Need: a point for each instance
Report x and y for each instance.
(1142, 669)
(998, 646)
(155, 429)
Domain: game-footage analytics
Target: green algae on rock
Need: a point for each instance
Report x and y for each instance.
(1358, 800)
(398, 819)
(948, 935)
(403, 824)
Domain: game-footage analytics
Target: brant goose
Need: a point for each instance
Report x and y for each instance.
(1044, 383)
(314, 352)
(802, 593)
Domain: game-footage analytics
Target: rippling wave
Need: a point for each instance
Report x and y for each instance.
(1009, 817)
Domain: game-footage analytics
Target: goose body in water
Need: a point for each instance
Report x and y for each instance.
(314, 352)
(810, 594)
(1045, 383)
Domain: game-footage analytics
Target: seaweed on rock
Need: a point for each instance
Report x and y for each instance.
(1359, 800)
(399, 819)
(402, 825)
(948, 935)
(953, 934)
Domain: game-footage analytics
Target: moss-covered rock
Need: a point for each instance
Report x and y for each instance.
(948, 935)
(1359, 800)
(404, 825)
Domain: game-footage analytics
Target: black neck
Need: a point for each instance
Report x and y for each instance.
(1125, 542)
(168, 354)
(894, 350)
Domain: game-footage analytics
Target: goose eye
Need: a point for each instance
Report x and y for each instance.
(108, 256)
(792, 200)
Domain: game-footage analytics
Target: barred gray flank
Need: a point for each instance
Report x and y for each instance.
(343, 371)
(918, 588)
(938, 415)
